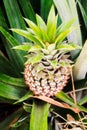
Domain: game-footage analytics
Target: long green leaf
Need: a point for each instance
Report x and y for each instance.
(45, 7)
(40, 22)
(51, 23)
(68, 47)
(28, 9)
(83, 13)
(62, 96)
(34, 27)
(63, 35)
(39, 116)
(2, 19)
(15, 17)
(11, 92)
(19, 82)
(29, 36)
(23, 47)
(64, 26)
(15, 56)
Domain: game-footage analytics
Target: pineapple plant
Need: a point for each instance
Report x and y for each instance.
(48, 57)
(48, 66)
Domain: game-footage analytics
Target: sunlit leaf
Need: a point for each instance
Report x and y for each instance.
(35, 59)
(39, 116)
(53, 63)
(35, 48)
(40, 22)
(34, 27)
(29, 36)
(51, 24)
(63, 35)
(24, 47)
(64, 26)
(68, 47)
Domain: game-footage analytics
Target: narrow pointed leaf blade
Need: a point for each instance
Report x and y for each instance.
(51, 18)
(51, 23)
(45, 7)
(11, 92)
(64, 26)
(29, 36)
(68, 47)
(27, 107)
(83, 13)
(40, 22)
(62, 96)
(23, 47)
(35, 59)
(18, 82)
(52, 30)
(63, 35)
(28, 9)
(15, 17)
(34, 27)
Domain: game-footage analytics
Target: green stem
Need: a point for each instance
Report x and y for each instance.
(39, 115)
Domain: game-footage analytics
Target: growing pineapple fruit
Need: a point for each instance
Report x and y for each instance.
(48, 67)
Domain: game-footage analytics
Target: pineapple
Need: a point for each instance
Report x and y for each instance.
(48, 66)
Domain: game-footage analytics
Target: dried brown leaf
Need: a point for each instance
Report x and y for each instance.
(56, 103)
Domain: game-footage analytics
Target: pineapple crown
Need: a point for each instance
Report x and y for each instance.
(45, 37)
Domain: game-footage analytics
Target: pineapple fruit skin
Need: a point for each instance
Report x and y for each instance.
(49, 81)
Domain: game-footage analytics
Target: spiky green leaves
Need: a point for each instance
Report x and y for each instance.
(46, 38)
(42, 33)
(52, 25)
